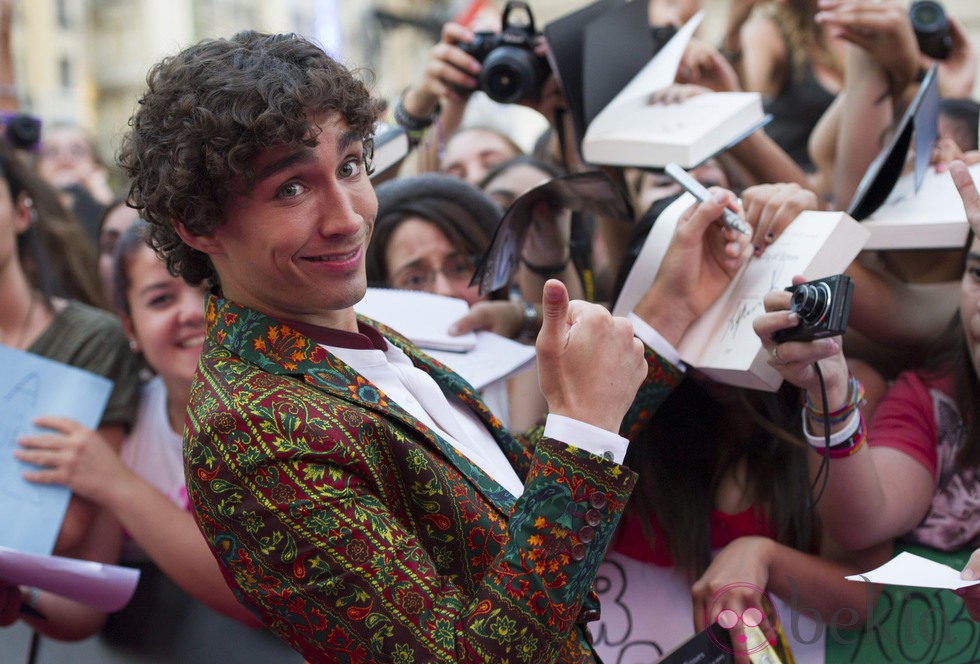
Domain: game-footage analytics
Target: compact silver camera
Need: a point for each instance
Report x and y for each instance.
(823, 306)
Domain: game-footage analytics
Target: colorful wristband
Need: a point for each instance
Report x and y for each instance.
(855, 398)
(843, 443)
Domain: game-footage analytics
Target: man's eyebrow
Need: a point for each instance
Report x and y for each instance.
(346, 139)
(301, 154)
(973, 256)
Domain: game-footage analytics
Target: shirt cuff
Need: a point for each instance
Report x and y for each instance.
(606, 444)
(653, 340)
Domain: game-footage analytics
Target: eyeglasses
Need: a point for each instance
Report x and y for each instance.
(456, 269)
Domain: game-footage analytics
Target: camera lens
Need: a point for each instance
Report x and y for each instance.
(925, 14)
(931, 28)
(811, 302)
(509, 75)
(23, 131)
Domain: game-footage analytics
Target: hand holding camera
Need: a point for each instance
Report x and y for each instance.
(881, 29)
(943, 38)
(511, 68)
(449, 73)
(802, 326)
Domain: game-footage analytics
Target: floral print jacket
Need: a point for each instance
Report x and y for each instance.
(358, 535)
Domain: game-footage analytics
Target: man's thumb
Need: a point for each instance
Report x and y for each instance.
(554, 306)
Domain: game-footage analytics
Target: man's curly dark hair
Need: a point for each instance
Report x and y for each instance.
(205, 116)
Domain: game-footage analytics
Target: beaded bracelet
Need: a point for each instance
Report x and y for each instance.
(414, 126)
(855, 398)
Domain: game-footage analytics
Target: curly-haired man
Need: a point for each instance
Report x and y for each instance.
(359, 496)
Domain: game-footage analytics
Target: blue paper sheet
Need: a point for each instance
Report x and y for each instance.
(30, 386)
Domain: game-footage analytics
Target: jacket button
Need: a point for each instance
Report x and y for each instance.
(586, 534)
(593, 517)
(578, 551)
(598, 500)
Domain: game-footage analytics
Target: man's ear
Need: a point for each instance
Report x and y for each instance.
(206, 244)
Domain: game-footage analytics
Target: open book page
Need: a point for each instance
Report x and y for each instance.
(422, 317)
(493, 358)
(657, 74)
(932, 218)
(920, 119)
(630, 131)
(105, 587)
(816, 244)
(591, 192)
(30, 386)
(722, 343)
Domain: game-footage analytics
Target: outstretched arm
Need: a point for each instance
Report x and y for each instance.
(80, 459)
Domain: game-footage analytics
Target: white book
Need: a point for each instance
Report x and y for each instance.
(422, 317)
(390, 147)
(630, 131)
(721, 343)
(493, 358)
(481, 357)
(932, 218)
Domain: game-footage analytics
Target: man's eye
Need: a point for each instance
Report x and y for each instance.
(351, 167)
(290, 190)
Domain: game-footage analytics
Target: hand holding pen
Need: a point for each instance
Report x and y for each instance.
(730, 219)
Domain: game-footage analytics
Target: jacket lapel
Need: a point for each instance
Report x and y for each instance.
(279, 349)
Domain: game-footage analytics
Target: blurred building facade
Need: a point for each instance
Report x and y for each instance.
(85, 61)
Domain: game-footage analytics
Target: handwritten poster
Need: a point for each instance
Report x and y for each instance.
(30, 386)
(647, 612)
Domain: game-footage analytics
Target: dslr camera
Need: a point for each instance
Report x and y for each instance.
(823, 306)
(511, 70)
(931, 28)
(21, 131)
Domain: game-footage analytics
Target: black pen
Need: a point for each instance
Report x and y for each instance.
(696, 189)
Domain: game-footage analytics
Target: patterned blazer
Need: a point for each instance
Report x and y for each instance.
(358, 535)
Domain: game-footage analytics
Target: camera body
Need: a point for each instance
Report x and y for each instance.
(823, 306)
(21, 131)
(931, 28)
(511, 71)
